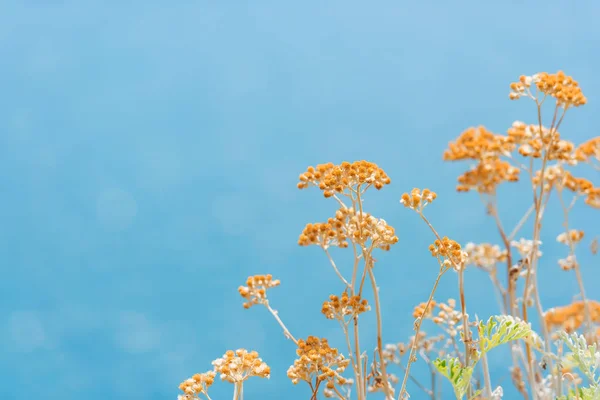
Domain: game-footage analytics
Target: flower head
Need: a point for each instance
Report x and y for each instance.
(196, 385)
(256, 288)
(450, 252)
(237, 366)
(352, 225)
(340, 307)
(563, 88)
(331, 178)
(317, 360)
(417, 200)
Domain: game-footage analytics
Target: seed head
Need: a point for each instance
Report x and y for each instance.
(237, 366)
(331, 178)
(256, 288)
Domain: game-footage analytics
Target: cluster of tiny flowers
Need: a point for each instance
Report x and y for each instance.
(572, 316)
(486, 176)
(525, 247)
(568, 263)
(485, 147)
(570, 237)
(563, 88)
(557, 176)
(448, 317)
(588, 150)
(484, 255)
(237, 366)
(478, 144)
(417, 199)
(331, 178)
(196, 385)
(256, 288)
(330, 233)
(450, 251)
(317, 360)
(420, 311)
(340, 307)
(349, 224)
(533, 141)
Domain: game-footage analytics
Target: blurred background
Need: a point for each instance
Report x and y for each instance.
(149, 155)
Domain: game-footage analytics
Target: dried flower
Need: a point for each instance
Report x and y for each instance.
(571, 237)
(478, 144)
(572, 316)
(450, 251)
(237, 366)
(563, 88)
(256, 288)
(525, 247)
(196, 385)
(333, 179)
(484, 255)
(317, 360)
(349, 224)
(340, 307)
(588, 150)
(417, 200)
(534, 141)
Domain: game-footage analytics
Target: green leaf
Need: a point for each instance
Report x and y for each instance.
(459, 376)
(501, 329)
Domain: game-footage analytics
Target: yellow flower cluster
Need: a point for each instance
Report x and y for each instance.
(352, 225)
(256, 288)
(532, 140)
(317, 360)
(417, 200)
(485, 147)
(588, 150)
(572, 236)
(478, 143)
(572, 316)
(450, 251)
(563, 88)
(331, 178)
(339, 307)
(420, 312)
(485, 255)
(237, 366)
(196, 385)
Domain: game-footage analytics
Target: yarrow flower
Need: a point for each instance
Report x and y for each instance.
(571, 317)
(484, 255)
(450, 252)
(349, 224)
(570, 237)
(196, 385)
(525, 247)
(256, 288)
(340, 307)
(417, 199)
(316, 360)
(237, 366)
(563, 88)
(332, 179)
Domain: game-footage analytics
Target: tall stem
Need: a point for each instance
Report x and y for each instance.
(413, 349)
(386, 388)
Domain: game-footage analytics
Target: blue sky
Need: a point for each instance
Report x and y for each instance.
(149, 155)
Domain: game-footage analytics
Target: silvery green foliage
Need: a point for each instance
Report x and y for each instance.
(501, 329)
(498, 330)
(458, 375)
(587, 359)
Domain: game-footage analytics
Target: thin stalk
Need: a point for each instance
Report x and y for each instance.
(418, 323)
(286, 332)
(386, 388)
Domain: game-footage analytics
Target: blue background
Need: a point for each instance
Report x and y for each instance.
(149, 153)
